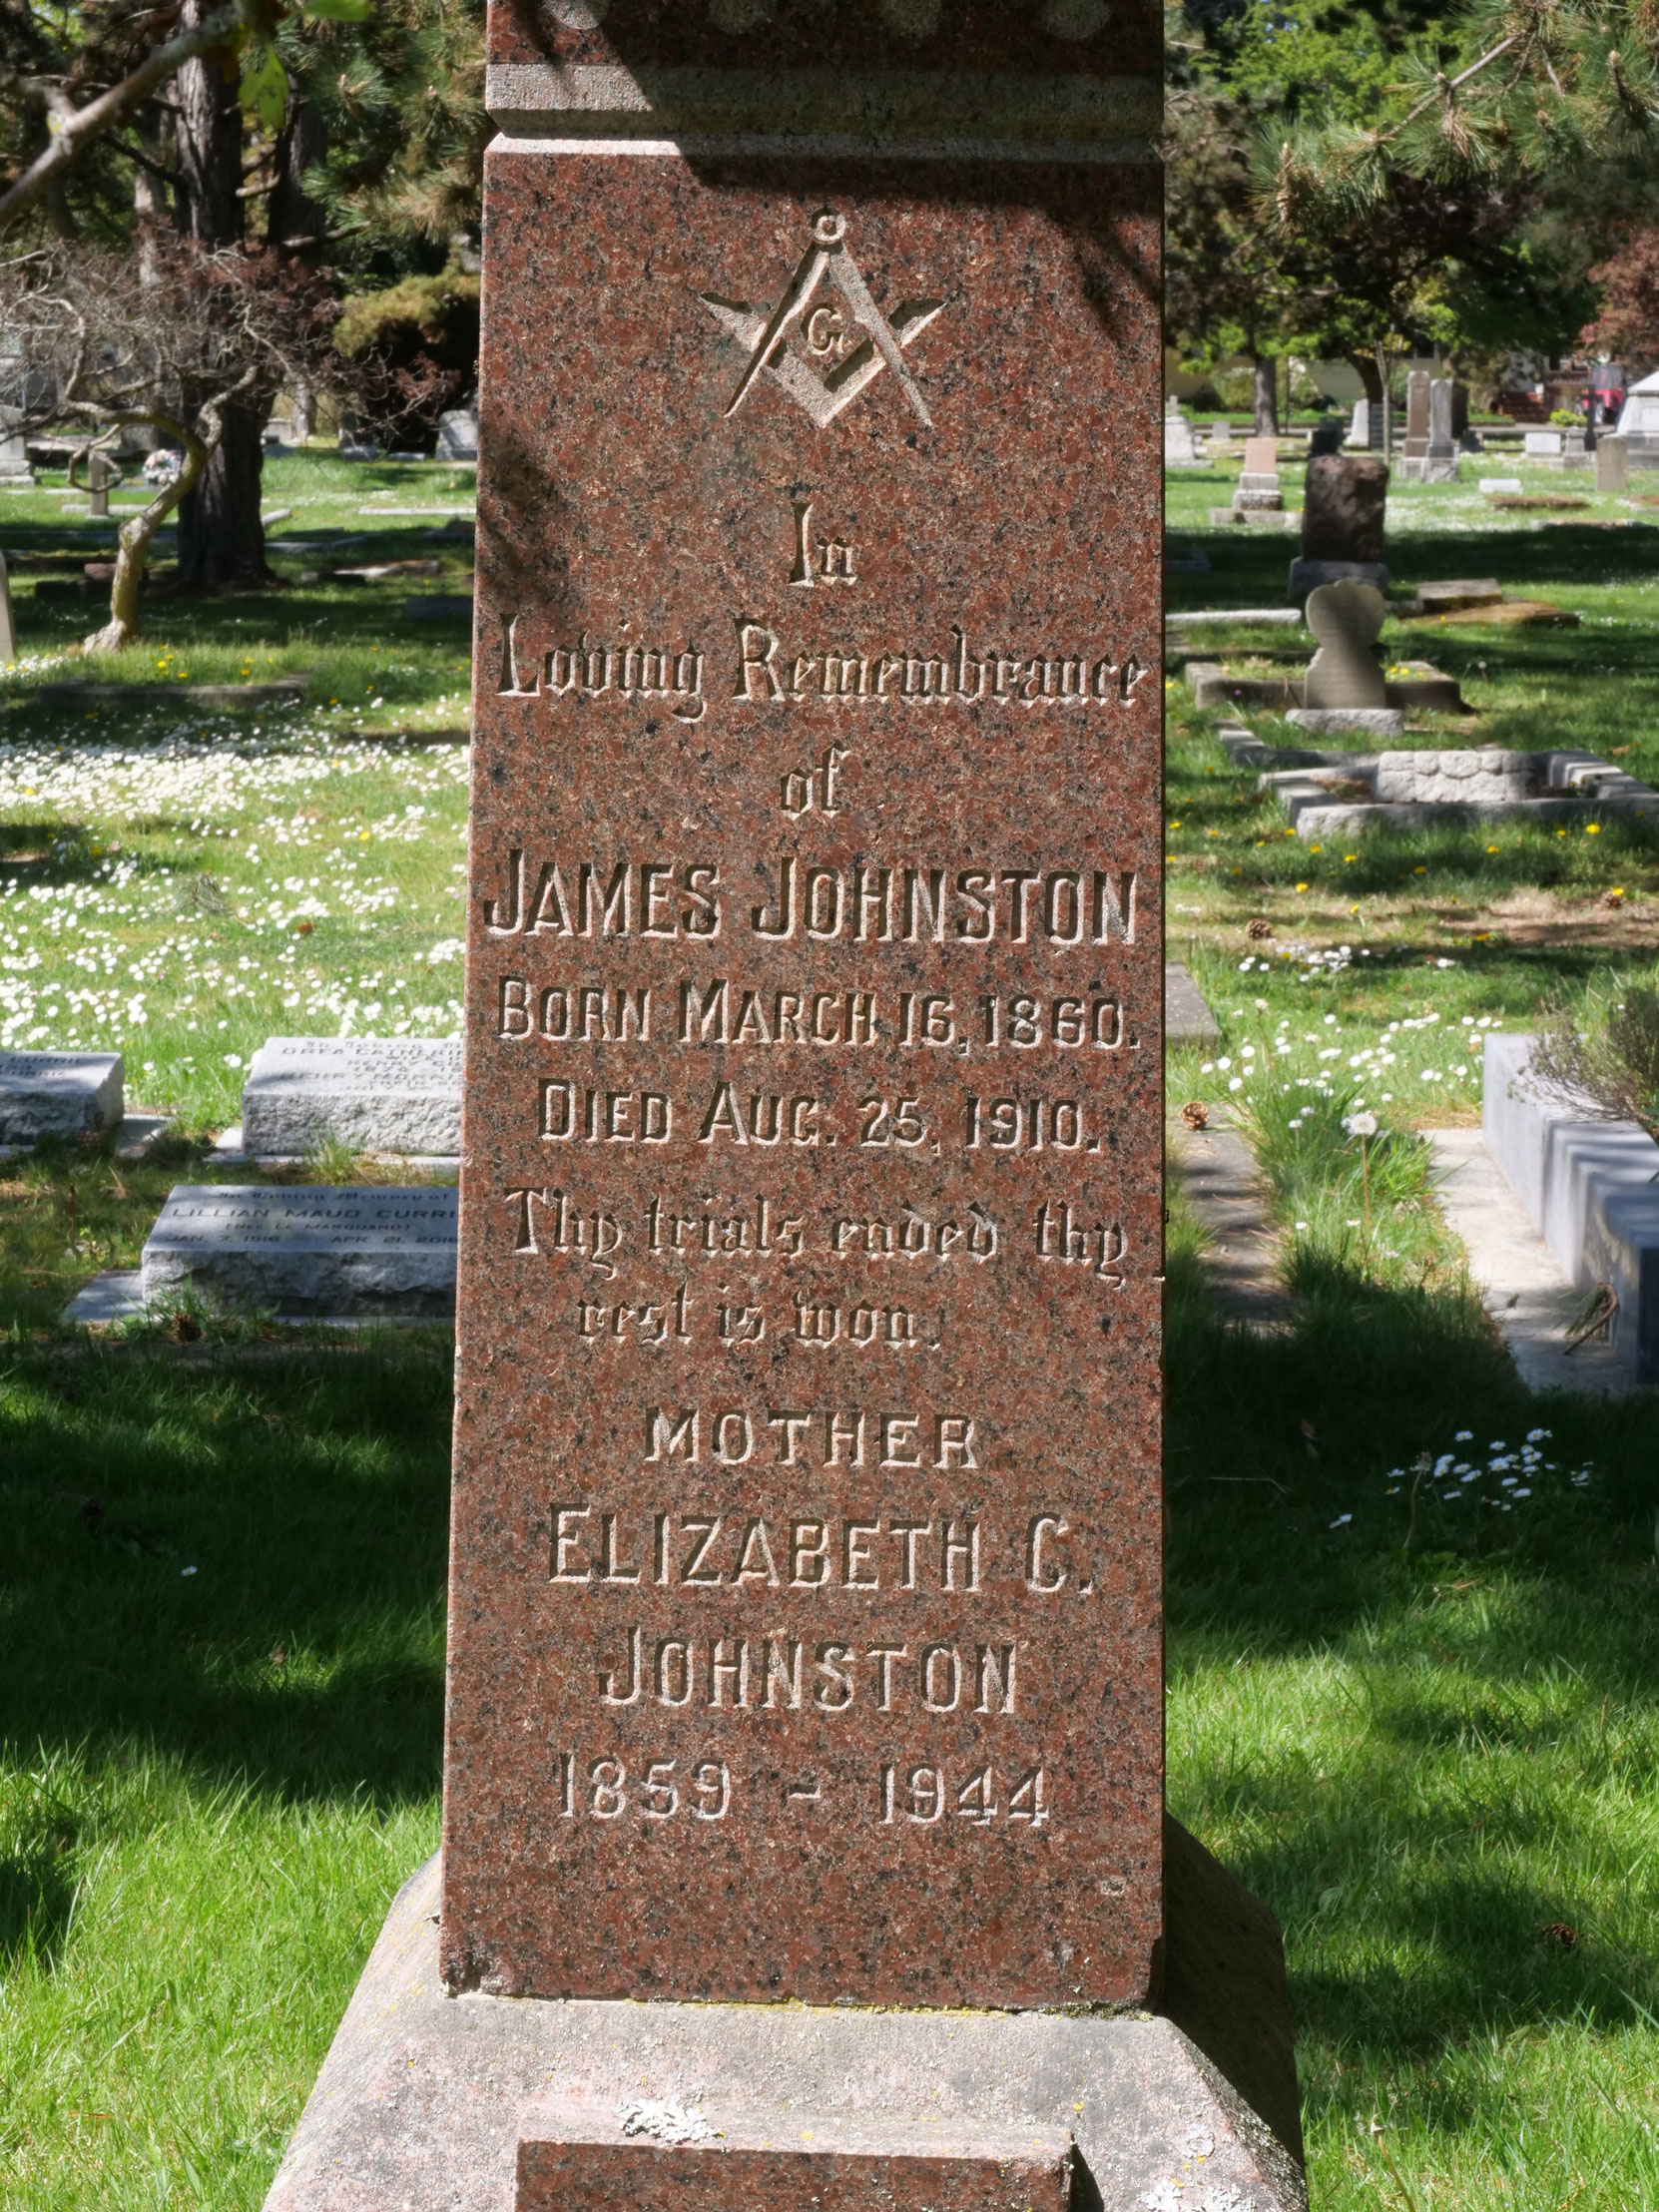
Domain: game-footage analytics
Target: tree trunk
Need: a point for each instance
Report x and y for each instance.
(134, 540)
(209, 145)
(295, 220)
(221, 536)
(221, 541)
(1267, 394)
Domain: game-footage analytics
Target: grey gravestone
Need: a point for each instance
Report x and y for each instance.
(1416, 414)
(59, 1094)
(1612, 463)
(375, 1094)
(1179, 449)
(458, 435)
(1440, 465)
(322, 1249)
(98, 487)
(1542, 445)
(8, 621)
(439, 607)
(1346, 619)
(1342, 511)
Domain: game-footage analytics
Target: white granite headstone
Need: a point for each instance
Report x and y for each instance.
(375, 1094)
(59, 1094)
(15, 471)
(322, 1249)
(1179, 448)
(458, 435)
(1542, 444)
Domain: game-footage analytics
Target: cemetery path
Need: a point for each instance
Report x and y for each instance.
(1224, 1187)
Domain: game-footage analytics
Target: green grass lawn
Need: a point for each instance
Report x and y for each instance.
(1413, 1624)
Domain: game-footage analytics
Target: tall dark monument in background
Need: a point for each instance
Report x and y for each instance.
(806, 1614)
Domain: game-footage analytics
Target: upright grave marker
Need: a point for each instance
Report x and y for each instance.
(812, 1208)
(805, 1617)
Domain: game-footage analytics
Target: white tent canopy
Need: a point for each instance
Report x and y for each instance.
(1639, 416)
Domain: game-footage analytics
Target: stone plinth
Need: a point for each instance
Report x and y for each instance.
(1371, 721)
(324, 1249)
(428, 2098)
(374, 1094)
(633, 2155)
(1591, 1186)
(59, 1094)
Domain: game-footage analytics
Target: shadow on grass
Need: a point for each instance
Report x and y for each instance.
(39, 1836)
(242, 1563)
(1448, 1802)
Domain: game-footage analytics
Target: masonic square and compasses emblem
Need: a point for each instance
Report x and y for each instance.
(826, 340)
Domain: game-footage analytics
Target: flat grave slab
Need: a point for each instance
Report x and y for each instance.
(1404, 790)
(59, 1094)
(1187, 1015)
(439, 607)
(322, 1249)
(374, 1094)
(1199, 615)
(283, 691)
(115, 1295)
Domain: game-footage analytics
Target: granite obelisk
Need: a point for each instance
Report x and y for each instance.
(806, 1596)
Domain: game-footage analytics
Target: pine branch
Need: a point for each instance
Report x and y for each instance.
(72, 132)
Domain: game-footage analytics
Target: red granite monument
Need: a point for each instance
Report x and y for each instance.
(806, 1615)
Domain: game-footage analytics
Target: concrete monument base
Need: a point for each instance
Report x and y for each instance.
(436, 2101)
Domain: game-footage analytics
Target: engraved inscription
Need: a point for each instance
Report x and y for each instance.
(588, 670)
(864, 902)
(820, 327)
(822, 560)
(767, 1673)
(814, 789)
(958, 675)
